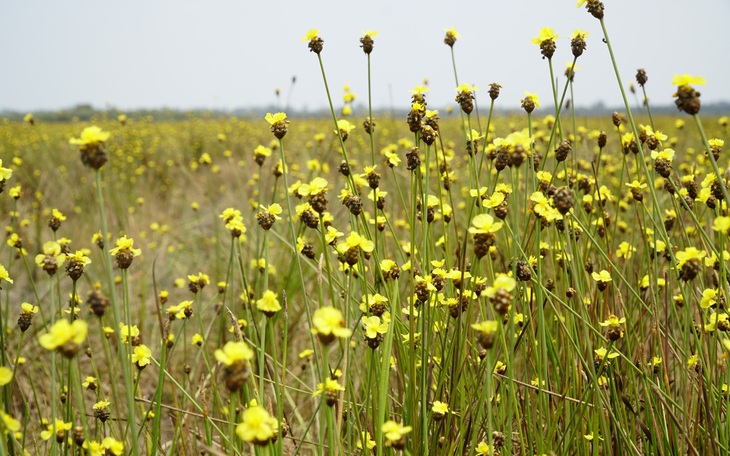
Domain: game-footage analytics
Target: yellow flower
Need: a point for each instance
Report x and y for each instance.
(269, 303)
(329, 323)
(439, 409)
(197, 339)
(330, 385)
(91, 136)
(275, 118)
(721, 224)
(125, 245)
(317, 186)
(142, 356)
(257, 426)
(667, 154)
(452, 32)
(11, 423)
(690, 253)
(579, 33)
(311, 34)
(60, 427)
(486, 327)
(625, 250)
(355, 240)
(602, 353)
(234, 352)
(127, 331)
(482, 449)
(686, 79)
(603, 276)
(394, 432)
(93, 448)
(532, 97)
(101, 405)
(484, 223)
(366, 441)
(373, 326)
(4, 274)
(709, 298)
(5, 173)
(546, 34)
(113, 445)
(6, 375)
(62, 333)
(90, 383)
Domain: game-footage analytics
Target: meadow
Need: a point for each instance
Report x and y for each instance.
(455, 282)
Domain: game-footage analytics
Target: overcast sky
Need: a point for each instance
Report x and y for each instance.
(227, 54)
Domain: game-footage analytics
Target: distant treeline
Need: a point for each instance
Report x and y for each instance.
(85, 112)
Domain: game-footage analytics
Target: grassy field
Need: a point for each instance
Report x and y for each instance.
(453, 283)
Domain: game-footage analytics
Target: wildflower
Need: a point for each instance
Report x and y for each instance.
(76, 262)
(603, 354)
(366, 441)
(486, 331)
(4, 275)
(709, 298)
(197, 339)
(530, 102)
(546, 41)
(6, 375)
(58, 429)
(93, 448)
(277, 124)
(595, 7)
(331, 388)
(687, 98)
(578, 42)
(602, 279)
(90, 383)
(394, 434)
(344, 128)
(375, 304)
(482, 449)
(101, 410)
(693, 363)
(257, 426)
(269, 303)
(351, 247)
(721, 224)
(615, 329)
(141, 356)
(328, 324)
(366, 42)
(124, 252)
(451, 36)
(375, 328)
(26, 315)
(439, 409)
(483, 228)
(127, 332)
(113, 446)
(65, 337)
(91, 146)
(655, 363)
(316, 43)
(688, 262)
(465, 97)
(57, 217)
(269, 215)
(51, 258)
(625, 250)
(235, 356)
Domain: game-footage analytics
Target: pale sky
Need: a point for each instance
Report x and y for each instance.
(225, 54)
